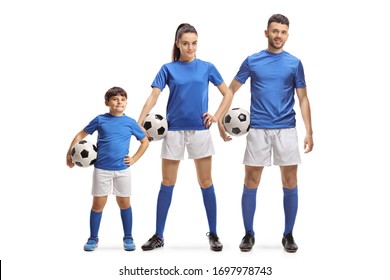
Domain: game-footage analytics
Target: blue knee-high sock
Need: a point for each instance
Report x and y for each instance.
(290, 203)
(210, 204)
(127, 221)
(163, 203)
(94, 223)
(248, 206)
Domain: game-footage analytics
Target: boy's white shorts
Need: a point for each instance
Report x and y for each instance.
(107, 182)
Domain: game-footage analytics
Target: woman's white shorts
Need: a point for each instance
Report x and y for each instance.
(199, 144)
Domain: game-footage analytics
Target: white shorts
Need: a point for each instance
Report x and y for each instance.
(199, 144)
(107, 182)
(262, 143)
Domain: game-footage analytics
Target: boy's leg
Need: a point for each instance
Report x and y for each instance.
(122, 189)
(94, 222)
(127, 222)
(96, 214)
(126, 215)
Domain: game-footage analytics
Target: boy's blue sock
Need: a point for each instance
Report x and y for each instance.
(94, 223)
(127, 222)
(210, 204)
(163, 203)
(248, 206)
(290, 204)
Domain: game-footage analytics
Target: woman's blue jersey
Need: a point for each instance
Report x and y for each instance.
(188, 84)
(274, 78)
(113, 140)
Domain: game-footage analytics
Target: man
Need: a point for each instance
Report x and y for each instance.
(275, 77)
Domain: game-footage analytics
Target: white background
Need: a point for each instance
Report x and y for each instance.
(58, 58)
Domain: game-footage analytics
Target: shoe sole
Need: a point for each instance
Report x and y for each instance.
(90, 250)
(216, 249)
(245, 250)
(291, 251)
(150, 249)
(129, 249)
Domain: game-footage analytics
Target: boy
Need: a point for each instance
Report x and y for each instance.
(111, 172)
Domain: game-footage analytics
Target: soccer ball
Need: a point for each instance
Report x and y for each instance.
(156, 126)
(236, 121)
(84, 153)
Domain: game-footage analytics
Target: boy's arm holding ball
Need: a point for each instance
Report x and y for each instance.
(79, 136)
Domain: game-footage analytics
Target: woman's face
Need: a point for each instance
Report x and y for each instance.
(187, 44)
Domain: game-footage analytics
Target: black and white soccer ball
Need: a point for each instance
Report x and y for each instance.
(156, 126)
(84, 153)
(237, 121)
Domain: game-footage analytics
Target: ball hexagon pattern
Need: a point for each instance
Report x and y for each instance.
(156, 126)
(237, 121)
(84, 153)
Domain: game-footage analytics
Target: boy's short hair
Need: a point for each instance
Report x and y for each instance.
(115, 91)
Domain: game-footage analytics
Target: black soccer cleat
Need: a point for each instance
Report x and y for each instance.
(247, 242)
(215, 244)
(154, 242)
(289, 243)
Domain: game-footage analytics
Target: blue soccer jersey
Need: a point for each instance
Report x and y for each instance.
(113, 143)
(188, 84)
(274, 78)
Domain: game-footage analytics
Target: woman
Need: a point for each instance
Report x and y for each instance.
(188, 127)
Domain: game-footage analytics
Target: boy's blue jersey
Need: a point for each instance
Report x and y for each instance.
(188, 84)
(113, 142)
(274, 78)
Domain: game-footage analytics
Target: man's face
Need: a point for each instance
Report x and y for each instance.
(277, 35)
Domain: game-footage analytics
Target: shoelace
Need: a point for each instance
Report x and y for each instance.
(155, 240)
(290, 238)
(247, 237)
(212, 236)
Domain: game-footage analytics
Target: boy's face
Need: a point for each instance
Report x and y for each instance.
(117, 105)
